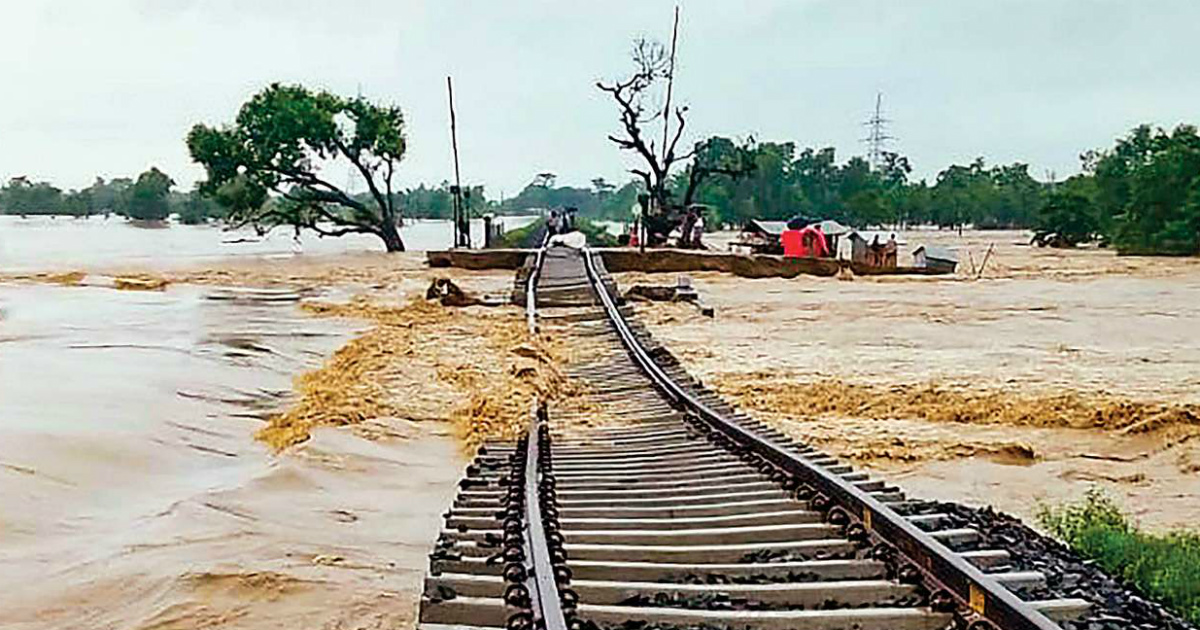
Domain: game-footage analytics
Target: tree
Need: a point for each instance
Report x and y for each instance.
(602, 187)
(1066, 220)
(22, 196)
(78, 203)
(110, 196)
(652, 66)
(148, 196)
(276, 148)
(195, 207)
(544, 180)
(1148, 191)
(719, 157)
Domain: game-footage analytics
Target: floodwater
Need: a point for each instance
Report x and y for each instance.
(1044, 374)
(132, 492)
(41, 243)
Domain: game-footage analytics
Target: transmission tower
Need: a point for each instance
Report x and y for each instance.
(877, 138)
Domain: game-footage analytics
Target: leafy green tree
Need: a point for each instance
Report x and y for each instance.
(147, 198)
(78, 203)
(817, 177)
(541, 193)
(195, 208)
(720, 163)
(959, 190)
(602, 188)
(110, 196)
(276, 147)
(1149, 189)
(22, 196)
(1066, 220)
(616, 206)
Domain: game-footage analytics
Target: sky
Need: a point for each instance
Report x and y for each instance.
(111, 87)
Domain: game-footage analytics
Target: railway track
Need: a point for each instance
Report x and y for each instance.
(667, 508)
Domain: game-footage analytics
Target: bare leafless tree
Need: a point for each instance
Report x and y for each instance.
(652, 65)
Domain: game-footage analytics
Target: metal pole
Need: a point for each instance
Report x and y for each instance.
(670, 84)
(459, 238)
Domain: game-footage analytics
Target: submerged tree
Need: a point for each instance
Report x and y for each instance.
(147, 198)
(1066, 220)
(267, 167)
(23, 196)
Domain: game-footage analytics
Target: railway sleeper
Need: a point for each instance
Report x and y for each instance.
(772, 533)
(489, 612)
(801, 595)
(800, 570)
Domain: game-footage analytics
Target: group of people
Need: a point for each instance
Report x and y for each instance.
(804, 240)
(561, 221)
(882, 254)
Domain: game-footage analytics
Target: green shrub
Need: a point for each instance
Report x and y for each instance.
(1166, 567)
(521, 236)
(597, 235)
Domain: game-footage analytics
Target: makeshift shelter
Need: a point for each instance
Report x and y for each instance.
(933, 257)
(762, 237)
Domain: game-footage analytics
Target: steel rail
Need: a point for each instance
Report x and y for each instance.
(531, 288)
(972, 587)
(541, 583)
(545, 601)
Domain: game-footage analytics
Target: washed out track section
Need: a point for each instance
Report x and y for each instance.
(657, 520)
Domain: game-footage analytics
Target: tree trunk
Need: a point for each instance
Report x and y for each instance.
(391, 237)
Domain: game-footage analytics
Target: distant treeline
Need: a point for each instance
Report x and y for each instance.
(1143, 195)
(151, 198)
(147, 198)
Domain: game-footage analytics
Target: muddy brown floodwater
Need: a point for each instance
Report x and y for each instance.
(268, 442)
(1053, 372)
(269, 459)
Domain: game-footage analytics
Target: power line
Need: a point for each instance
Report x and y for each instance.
(877, 138)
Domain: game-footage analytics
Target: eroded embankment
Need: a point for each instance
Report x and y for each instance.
(475, 367)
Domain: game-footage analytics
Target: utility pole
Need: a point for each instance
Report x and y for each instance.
(877, 137)
(670, 84)
(462, 222)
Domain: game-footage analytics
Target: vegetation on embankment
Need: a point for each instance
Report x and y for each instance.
(1165, 567)
(597, 235)
(522, 237)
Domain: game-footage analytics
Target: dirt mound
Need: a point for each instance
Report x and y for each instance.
(475, 367)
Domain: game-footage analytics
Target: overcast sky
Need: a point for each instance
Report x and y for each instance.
(111, 87)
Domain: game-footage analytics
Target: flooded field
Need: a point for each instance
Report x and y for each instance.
(1055, 370)
(44, 243)
(137, 487)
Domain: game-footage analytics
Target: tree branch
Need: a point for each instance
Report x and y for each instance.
(355, 158)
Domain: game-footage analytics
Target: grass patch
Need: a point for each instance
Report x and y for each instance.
(521, 237)
(597, 235)
(1165, 567)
